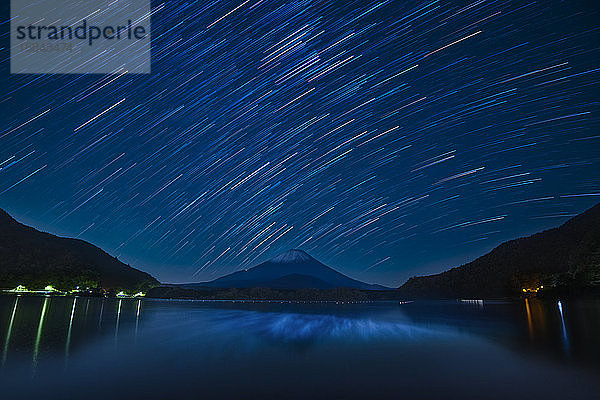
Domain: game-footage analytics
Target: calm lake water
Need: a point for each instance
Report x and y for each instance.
(90, 348)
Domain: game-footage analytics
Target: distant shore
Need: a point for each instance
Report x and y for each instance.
(338, 294)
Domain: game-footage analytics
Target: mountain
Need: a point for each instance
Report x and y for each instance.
(563, 259)
(36, 259)
(293, 269)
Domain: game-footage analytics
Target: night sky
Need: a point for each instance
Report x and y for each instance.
(387, 139)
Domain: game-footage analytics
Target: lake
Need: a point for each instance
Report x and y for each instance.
(92, 348)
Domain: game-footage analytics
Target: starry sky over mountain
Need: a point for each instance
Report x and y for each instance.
(387, 139)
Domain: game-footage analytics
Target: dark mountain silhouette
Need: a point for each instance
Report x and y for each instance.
(36, 259)
(294, 269)
(559, 259)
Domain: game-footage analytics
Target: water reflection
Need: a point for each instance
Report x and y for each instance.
(563, 328)
(58, 326)
(9, 331)
(346, 351)
(137, 316)
(38, 337)
(566, 331)
(307, 328)
(537, 319)
(70, 329)
(544, 328)
(118, 318)
(100, 316)
(529, 321)
(44, 328)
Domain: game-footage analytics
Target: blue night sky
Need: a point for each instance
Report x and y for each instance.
(387, 139)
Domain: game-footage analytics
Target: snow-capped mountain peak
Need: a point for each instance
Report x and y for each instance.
(292, 256)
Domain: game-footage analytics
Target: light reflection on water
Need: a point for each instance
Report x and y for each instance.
(9, 330)
(135, 336)
(39, 333)
(563, 327)
(308, 327)
(51, 310)
(269, 322)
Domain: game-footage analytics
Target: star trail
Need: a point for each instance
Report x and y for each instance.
(387, 139)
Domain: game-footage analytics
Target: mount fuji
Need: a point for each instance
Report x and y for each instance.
(293, 269)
